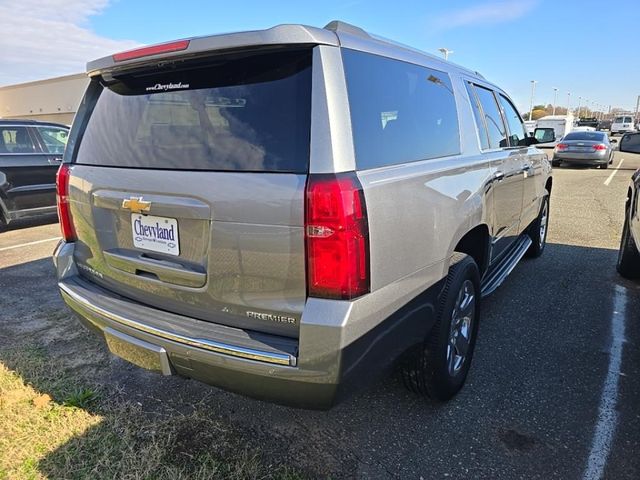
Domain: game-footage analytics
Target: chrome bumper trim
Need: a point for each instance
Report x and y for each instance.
(210, 345)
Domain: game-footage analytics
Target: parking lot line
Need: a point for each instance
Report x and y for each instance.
(607, 413)
(28, 244)
(615, 170)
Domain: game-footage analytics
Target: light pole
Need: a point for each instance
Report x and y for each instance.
(568, 102)
(533, 91)
(445, 52)
(579, 105)
(555, 99)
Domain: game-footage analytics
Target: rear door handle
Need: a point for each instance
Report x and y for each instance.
(498, 176)
(55, 160)
(166, 271)
(527, 168)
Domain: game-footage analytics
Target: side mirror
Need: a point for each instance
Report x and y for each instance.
(544, 135)
(630, 143)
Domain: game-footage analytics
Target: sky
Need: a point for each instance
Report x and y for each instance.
(587, 48)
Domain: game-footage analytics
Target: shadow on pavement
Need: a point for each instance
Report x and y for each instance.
(20, 224)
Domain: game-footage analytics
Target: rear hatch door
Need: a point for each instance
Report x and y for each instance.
(187, 187)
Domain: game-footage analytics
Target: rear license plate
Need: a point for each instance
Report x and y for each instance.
(159, 234)
(138, 352)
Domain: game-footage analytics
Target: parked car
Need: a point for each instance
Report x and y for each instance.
(30, 154)
(622, 124)
(286, 213)
(604, 125)
(588, 122)
(629, 254)
(587, 148)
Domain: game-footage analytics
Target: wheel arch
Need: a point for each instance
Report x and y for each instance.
(475, 243)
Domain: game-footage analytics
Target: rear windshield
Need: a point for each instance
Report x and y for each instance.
(249, 113)
(587, 136)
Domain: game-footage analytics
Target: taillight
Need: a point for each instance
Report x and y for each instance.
(600, 146)
(562, 146)
(151, 50)
(62, 197)
(337, 236)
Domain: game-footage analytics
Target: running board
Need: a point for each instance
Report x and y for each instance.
(506, 266)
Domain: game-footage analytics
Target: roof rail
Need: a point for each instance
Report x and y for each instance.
(340, 26)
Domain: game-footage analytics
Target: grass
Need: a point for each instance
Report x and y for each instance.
(54, 424)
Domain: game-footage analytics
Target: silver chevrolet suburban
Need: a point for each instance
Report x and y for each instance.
(286, 213)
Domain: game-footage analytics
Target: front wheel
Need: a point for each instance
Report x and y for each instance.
(628, 256)
(538, 230)
(439, 369)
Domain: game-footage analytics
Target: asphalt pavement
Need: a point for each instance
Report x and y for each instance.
(553, 392)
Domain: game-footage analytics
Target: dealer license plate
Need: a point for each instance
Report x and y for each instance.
(158, 234)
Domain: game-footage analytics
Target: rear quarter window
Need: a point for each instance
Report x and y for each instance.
(400, 112)
(251, 113)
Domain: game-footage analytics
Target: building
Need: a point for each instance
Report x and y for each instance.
(52, 100)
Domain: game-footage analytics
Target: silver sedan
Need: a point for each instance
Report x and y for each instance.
(589, 148)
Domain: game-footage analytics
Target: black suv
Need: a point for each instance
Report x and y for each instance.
(588, 122)
(30, 154)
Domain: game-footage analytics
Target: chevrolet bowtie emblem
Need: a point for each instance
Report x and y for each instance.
(136, 205)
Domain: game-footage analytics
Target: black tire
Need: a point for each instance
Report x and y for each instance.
(628, 264)
(538, 236)
(604, 166)
(436, 370)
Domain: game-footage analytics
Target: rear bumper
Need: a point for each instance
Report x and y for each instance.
(596, 158)
(314, 371)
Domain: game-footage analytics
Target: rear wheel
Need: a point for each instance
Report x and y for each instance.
(439, 369)
(628, 256)
(604, 166)
(538, 230)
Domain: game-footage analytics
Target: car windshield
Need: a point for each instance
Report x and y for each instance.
(587, 136)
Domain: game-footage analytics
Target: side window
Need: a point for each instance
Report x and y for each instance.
(493, 118)
(400, 112)
(481, 127)
(517, 132)
(54, 139)
(16, 140)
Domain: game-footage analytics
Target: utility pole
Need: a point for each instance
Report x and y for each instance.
(445, 52)
(568, 102)
(637, 106)
(555, 99)
(533, 91)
